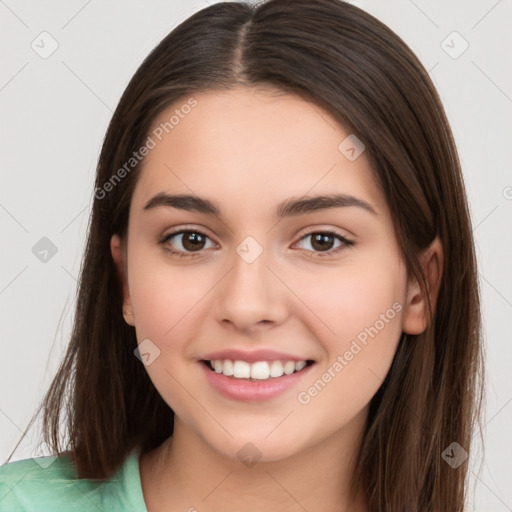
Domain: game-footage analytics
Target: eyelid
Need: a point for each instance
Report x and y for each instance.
(195, 228)
(183, 229)
(346, 242)
(307, 231)
(324, 228)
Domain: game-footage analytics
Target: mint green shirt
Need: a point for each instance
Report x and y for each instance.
(50, 484)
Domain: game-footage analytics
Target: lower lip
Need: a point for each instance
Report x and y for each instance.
(253, 391)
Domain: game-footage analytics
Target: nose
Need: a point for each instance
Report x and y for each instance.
(251, 296)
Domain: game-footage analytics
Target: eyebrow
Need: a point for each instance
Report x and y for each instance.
(288, 208)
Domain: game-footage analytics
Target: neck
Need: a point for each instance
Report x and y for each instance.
(186, 473)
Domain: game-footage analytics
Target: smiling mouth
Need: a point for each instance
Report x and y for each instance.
(257, 371)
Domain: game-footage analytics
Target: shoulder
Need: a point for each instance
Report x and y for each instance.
(27, 484)
(50, 483)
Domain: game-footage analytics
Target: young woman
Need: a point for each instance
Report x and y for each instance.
(278, 305)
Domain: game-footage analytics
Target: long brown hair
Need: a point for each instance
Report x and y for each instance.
(346, 61)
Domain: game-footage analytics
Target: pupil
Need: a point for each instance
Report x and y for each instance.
(195, 239)
(323, 240)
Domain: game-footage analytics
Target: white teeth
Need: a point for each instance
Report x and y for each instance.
(299, 365)
(260, 370)
(276, 369)
(241, 369)
(228, 368)
(289, 367)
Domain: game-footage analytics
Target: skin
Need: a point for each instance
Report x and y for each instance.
(248, 150)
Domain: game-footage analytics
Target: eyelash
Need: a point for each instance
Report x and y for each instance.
(183, 254)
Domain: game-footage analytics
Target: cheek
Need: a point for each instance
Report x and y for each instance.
(160, 288)
(343, 386)
(364, 309)
(353, 311)
(348, 299)
(169, 301)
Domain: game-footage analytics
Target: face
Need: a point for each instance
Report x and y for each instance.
(263, 280)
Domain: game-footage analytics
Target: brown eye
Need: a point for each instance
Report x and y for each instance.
(323, 242)
(188, 242)
(193, 241)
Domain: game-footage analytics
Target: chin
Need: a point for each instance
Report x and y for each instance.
(250, 450)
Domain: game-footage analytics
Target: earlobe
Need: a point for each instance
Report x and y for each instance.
(119, 256)
(415, 319)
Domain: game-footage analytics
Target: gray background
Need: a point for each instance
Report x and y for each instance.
(54, 114)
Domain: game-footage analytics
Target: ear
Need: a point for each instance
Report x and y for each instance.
(415, 318)
(118, 250)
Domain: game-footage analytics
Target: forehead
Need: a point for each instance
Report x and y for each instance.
(250, 148)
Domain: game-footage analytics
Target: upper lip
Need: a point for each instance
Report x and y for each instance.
(252, 356)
